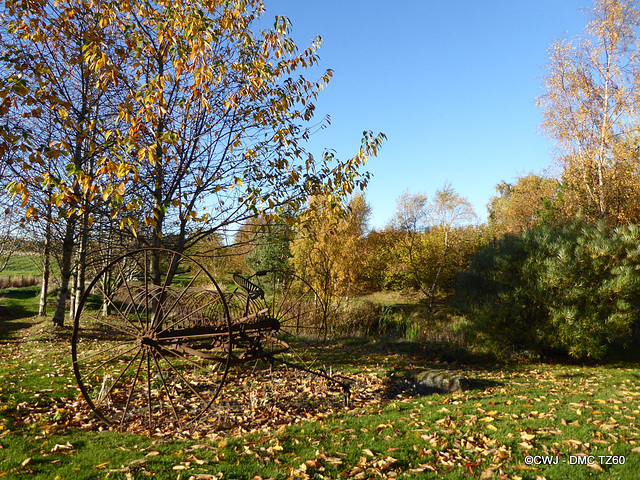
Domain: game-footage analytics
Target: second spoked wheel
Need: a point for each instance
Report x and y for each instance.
(151, 340)
(296, 317)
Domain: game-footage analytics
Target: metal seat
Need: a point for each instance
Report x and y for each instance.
(253, 290)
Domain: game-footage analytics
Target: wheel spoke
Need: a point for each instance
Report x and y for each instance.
(115, 382)
(187, 382)
(146, 289)
(164, 386)
(149, 402)
(133, 302)
(300, 314)
(185, 358)
(131, 390)
(113, 326)
(107, 297)
(141, 379)
(107, 361)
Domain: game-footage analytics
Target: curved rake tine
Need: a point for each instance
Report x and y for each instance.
(133, 302)
(116, 307)
(170, 309)
(156, 322)
(194, 312)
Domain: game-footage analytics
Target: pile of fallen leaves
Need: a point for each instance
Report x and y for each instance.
(252, 399)
(266, 399)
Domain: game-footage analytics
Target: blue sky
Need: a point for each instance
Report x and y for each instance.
(452, 84)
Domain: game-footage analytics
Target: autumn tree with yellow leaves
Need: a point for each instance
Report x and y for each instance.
(177, 118)
(523, 204)
(329, 252)
(590, 109)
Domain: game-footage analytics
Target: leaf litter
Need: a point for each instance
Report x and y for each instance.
(484, 432)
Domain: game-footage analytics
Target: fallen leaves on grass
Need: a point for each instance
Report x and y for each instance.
(483, 433)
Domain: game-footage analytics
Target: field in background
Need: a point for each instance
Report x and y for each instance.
(21, 271)
(23, 265)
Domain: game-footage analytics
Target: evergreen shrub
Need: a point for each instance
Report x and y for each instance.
(574, 289)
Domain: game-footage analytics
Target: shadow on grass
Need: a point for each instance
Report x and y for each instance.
(8, 321)
(369, 351)
(625, 355)
(17, 304)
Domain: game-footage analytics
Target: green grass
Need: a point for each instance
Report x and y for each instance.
(17, 305)
(509, 412)
(23, 264)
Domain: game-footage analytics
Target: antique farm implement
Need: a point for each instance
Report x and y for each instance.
(155, 335)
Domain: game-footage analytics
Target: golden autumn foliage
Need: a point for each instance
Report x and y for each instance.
(590, 109)
(329, 253)
(521, 205)
(184, 117)
(172, 120)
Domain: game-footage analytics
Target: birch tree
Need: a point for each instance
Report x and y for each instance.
(590, 109)
(449, 212)
(63, 113)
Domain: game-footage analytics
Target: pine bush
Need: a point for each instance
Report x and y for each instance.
(575, 289)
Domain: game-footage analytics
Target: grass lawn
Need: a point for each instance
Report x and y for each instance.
(23, 264)
(17, 304)
(587, 414)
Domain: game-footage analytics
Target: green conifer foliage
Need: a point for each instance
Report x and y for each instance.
(575, 289)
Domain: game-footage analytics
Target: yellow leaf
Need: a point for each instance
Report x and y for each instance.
(595, 466)
(488, 473)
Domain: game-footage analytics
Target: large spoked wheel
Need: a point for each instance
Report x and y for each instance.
(300, 317)
(149, 347)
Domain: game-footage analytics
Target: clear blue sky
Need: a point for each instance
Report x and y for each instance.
(451, 83)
